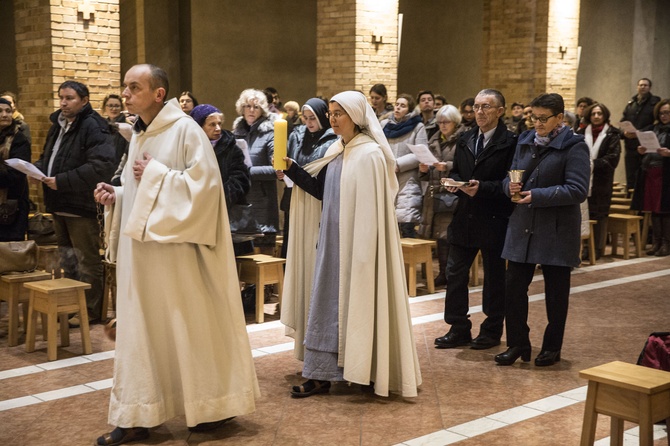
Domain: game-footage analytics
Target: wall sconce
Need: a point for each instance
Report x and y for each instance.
(562, 49)
(377, 36)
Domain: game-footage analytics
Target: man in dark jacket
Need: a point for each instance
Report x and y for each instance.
(482, 159)
(78, 154)
(640, 112)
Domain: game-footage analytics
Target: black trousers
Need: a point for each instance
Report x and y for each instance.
(456, 303)
(557, 292)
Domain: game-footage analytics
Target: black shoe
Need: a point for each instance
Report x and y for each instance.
(546, 358)
(440, 281)
(482, 342)
(453, 340)
(510, 356)
(205, 427)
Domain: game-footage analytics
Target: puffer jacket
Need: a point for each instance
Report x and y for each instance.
(263, 193)
(410, 198)
(85, 158)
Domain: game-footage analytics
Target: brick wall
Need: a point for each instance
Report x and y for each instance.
(53, 44)
(347, 57)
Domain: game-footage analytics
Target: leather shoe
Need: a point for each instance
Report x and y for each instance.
(510, 356)
(547, 358)
(482, 342)
(453, 340)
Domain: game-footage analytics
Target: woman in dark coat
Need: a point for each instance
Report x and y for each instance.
(230, 158)
(307, 143)
(652, 190)
(13, 184)
(544, 227)
(605, 148)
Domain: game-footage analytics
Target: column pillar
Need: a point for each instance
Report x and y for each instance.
(357, 45)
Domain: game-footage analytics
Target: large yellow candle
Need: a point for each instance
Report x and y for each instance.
(281, 136)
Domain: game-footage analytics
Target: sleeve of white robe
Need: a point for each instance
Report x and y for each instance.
(174, 206)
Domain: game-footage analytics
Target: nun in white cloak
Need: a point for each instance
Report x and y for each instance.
(345, 294)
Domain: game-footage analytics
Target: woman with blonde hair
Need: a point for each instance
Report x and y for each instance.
(255, 125)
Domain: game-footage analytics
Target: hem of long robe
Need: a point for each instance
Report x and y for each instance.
(202, 411)
(321, 365)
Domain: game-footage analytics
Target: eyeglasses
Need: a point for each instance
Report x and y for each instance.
(335, 115)
(113, 105)
(664, 112)
(542, 119)
(251, 107)
(482, 107)
(443, 122)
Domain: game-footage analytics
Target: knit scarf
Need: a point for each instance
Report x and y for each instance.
(397, 129)
(545, 140)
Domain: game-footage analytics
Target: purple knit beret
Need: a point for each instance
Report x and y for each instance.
(201, 112)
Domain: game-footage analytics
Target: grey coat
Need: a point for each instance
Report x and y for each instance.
(547, 231)
(263, 193)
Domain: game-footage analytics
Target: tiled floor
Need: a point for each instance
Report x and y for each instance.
(465, 398)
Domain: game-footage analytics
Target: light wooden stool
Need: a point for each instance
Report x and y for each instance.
(626, 225)
(53, 298)
(261, 270)
(625, 392)
(13, 292)
(420, 251)
(591, 244)
(48, 259)
(624, 201)
(621, 209)
(109, 289)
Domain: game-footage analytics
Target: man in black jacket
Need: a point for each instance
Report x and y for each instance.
(640, 112)
(78, 154)
(482, 158)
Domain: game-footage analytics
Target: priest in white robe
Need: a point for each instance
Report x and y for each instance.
(181, 345)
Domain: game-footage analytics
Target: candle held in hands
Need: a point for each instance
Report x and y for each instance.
(281, 137)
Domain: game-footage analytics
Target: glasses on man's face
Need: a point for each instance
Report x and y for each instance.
(335, 115)
(251, 107)
(482, 107)
(542, 119)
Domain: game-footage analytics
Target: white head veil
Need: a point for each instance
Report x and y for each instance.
(358, 109)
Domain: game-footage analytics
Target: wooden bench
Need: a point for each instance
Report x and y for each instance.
(625, 392)
(13, 292)
(57, 298)
(261, 270)
(627, 225)
(419, 251)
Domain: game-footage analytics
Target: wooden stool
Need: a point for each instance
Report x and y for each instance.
(621, 209)
(625, 392)
(48, 259)
(591, 245)
(57, 297)
(261, 270)
(12, 291)
(627, 225)
(110, 288)
(619, 200)
(415, 251)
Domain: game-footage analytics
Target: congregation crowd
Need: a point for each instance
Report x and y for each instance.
(183, 196)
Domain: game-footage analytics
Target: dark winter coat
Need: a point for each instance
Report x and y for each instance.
(85, 158)
(14, 181)
(640, 115)
(481, 221)
(663, 134)
(547, 231)
(263, 193)
(234, 173)
(603, 173)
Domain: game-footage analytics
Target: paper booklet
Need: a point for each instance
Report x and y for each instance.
(25, 167)
(423, 154)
